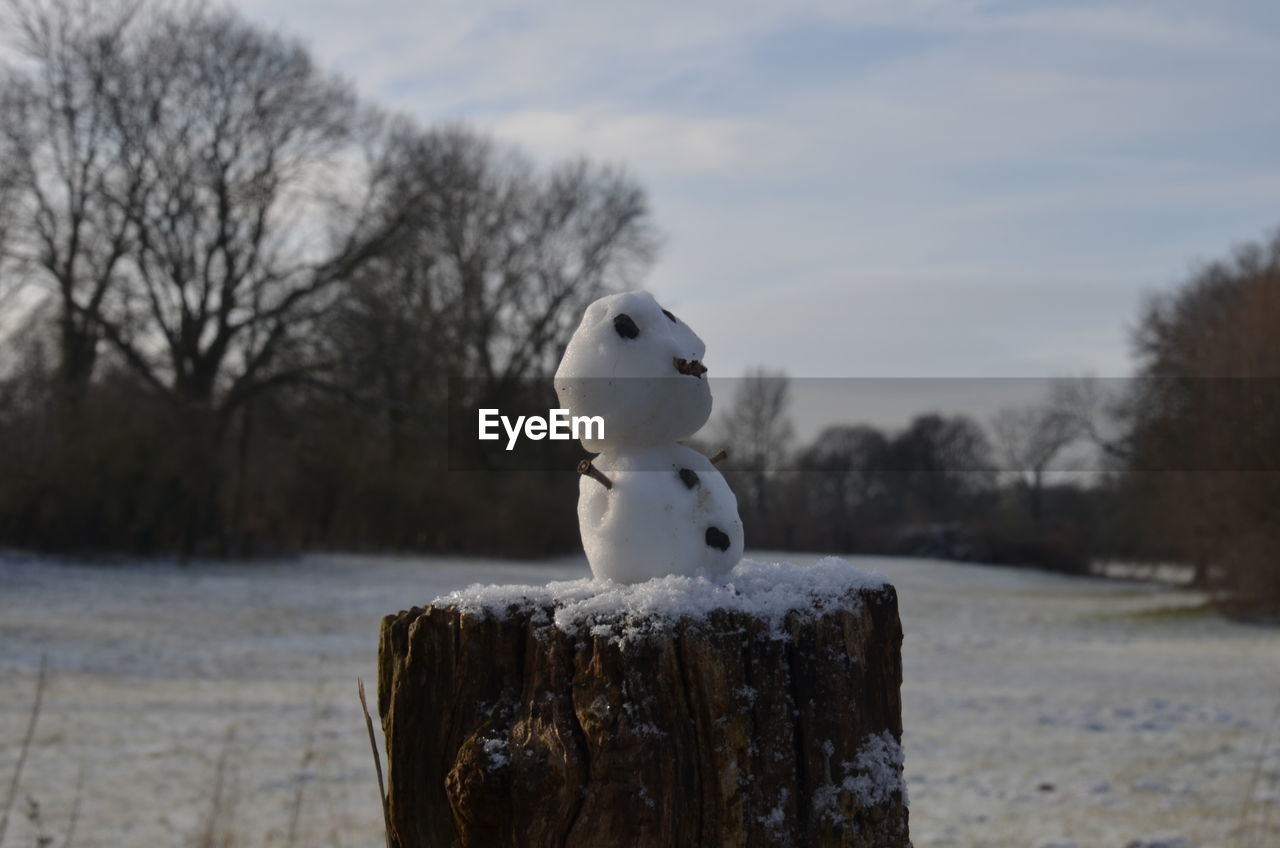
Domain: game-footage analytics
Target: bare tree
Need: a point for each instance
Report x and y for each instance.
(848, 466)
(191, 188)
(514, 253)
(10, 280)
(756, 429)
(1028, 440)
(233, 137)
(491, 279)
(1206, 419)
(1099, 411)
(64, 167)
(936, 464)
(221, 230)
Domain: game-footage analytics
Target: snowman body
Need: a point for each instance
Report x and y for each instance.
(668, 511)
(653, 507)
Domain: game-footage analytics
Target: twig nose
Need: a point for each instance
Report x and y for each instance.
(692, 367)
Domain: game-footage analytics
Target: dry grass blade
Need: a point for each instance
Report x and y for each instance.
(1244, 831)
(74, 819)
(36, 819)
(25, 747)
(217, 832)
(308, 757)
(377, 763)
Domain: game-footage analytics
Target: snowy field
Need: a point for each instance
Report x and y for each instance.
(1039, 710)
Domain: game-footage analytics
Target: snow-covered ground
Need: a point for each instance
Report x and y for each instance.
(1039, 710)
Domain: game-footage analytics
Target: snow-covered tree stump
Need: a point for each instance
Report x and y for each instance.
(678, 712)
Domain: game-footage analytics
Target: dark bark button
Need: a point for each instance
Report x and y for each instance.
(716, 538)
(626, 326)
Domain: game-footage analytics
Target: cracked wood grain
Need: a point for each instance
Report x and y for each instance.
(711, 732)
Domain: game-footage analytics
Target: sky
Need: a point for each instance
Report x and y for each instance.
(892, 188)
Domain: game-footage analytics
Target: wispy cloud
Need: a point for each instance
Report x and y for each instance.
(653, 142)
(894, 186)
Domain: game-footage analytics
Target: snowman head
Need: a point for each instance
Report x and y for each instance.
(637, 366)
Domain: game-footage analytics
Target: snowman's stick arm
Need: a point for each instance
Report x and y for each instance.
(585, 467)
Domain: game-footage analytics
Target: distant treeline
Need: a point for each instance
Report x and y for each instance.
(232, 294)
(943, 486)
(232, 297)
(1187, 466)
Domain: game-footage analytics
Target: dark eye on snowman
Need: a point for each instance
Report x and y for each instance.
(625, 326)
(717, 538)
(689, 478)
(673, 318)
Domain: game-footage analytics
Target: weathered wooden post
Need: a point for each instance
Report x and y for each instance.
(681, 712)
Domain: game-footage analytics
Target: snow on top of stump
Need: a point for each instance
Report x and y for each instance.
(766, 591)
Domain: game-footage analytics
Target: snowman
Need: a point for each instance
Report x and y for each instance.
(647, 506)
